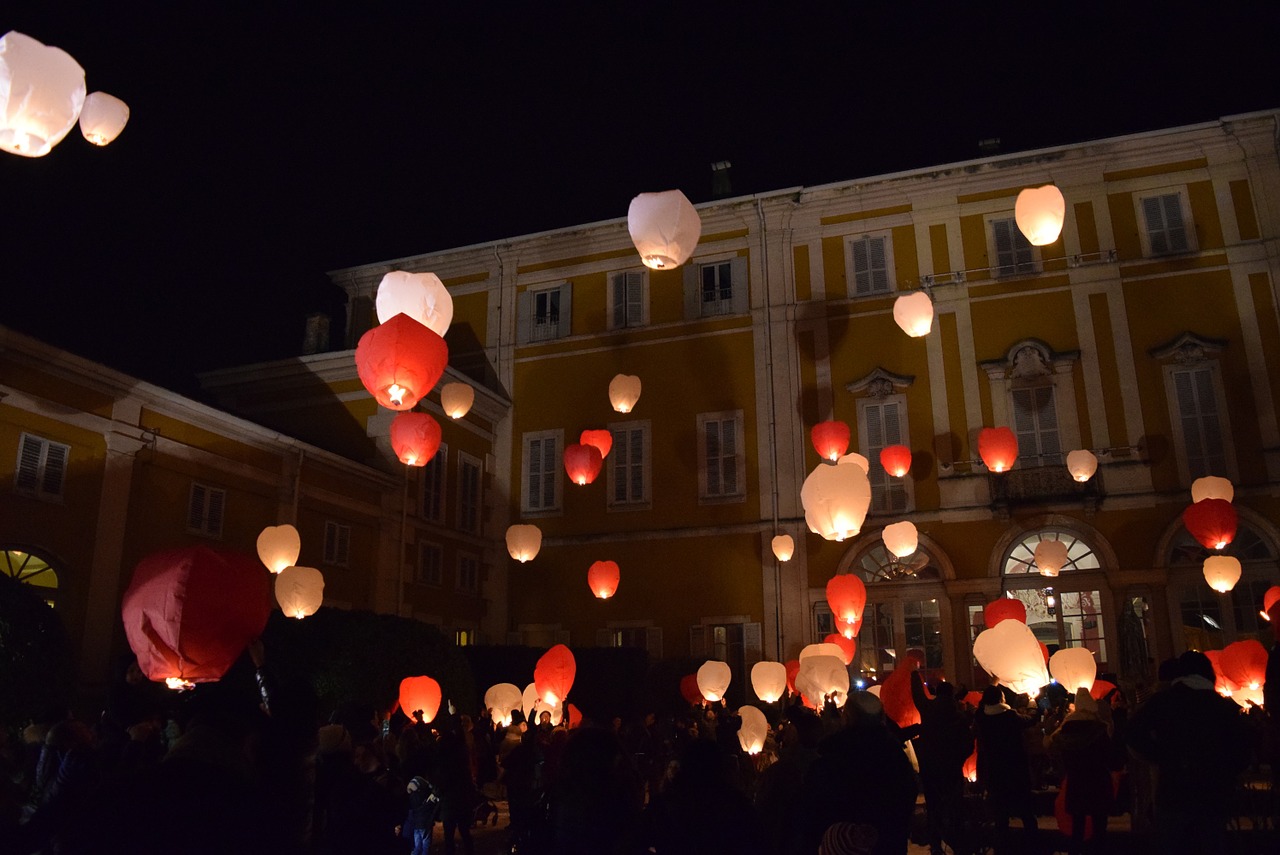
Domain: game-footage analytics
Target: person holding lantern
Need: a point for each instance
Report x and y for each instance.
(1083, 746)
(1003, 765)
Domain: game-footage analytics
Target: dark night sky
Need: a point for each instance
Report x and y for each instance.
(272, 141)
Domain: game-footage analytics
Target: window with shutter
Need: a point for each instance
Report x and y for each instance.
(468, 494)
(722, 465)
(541, 459)
(337, 543)
(883, 420)
(1200, 422)
(544, 314)
(1035, 422)
(433, 486)
(205, 508)
(627, 299)
(1014, 255)
(41, 469)
(1165, 224)
(870, 265)
(628, 472)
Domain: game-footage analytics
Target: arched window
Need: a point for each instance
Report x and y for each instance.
(1209, 620)
(1021, 557)
(31, 570)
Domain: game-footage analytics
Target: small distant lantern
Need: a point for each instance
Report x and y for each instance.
(1222, 572)
(582, 463)
(901, 538)
(754, 729)
(103, 117)
(523, 542)
(783, 547)
(415, 438)
(896, 460)
(602, 579)
(501, 700)
(300, 591)
(420, 698)
(836, 499)
(1039, 212)
(1212, 522)
(553, 675)
(1005, 608)
(847, 598)
(830, 439)
(602, 440)
(713, 679)
(1050, 557)
(400, 361)
(998, 448)
(1082, 463)
(456, 399)
(1212, 487)
(1074, 668)
(769, 680)
(848, 647)
(624, 392)
(1010, 653)
(914, 313)
(42, 92)
(278, 546)
(421, 296)
(664, 227)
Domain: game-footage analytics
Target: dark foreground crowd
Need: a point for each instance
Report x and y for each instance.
(235, 775)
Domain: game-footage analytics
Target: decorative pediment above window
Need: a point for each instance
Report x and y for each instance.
(1188, 349)
(1030, 362)
(880, 384)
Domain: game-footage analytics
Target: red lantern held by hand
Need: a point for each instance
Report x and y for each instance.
(415, 438)
(582, 463)
(793, 669)
(830, 439)
(1004, 609)
(1212, 522)
(689, 689)
(420, 696)
(553, 675)
(896, 460)
(601, 439)
(998, 448)
(1245, 663)
(400, 361)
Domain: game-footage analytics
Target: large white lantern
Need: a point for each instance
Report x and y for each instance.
(1050, 557)
(421, 296)
(624, 392)
(278, 546)
(1011, 654)
(456, 399)
(501, 700)
(822, 676)
(664, 227)
(754, 729)
(914, 313)
(856, 459)
(822, 648)
(103, 117)
(1221, 572)
(713, 679)
(523, 542)
(41, 93)
(769, 679)
(783, 547)
(836, 499)
(1212, 487)
(1082, 463)
(299, 591)
(1039, 212)
(1074, 668)
(901, 538)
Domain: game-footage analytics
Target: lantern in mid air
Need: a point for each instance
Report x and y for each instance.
(821, 677)
(553, 675)
(1074, 668)
(847, 597)
(896, 460)
(456, 399)
(822, 648)
(1212, 487)
(836, 499)
(769, 680)
(300, 591)
(998, 448)
(1082, 463)
(278, 546)
(857, 460)
(901, 538)
(754, 729)
(421, 296)
(582, 463)
(602, 579)
(523, 542)
(103, 117)
(1222, 572)
(713, 679)
(830, 439)
(501, 700)
(415, 438)
(400, 361)
(624, 392)
(1039, 212)
(664, 227)
(1010, 653)
(1050, 557)
(914, 313)
(42, 92)
(783, 547)
(1212, 522)
(1005, 608)
(420, 698)
(848, 647)
(601, 440)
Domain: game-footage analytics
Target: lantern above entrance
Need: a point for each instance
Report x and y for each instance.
(754, 729)
(523, 542)
(582, 463)
(896, 460)
(602, 440)
(713, 679)
(1082, 463)
(624, 392)
(830, 439)
(847, 597)
(1005, 608)
(998, 448)
(103, 117)
(602, 579)
(769, 680)
(1050, 557)
(456, 399)
(783, 547)
(553, 675)
(420, 698)
(1074, 668)
(421, 296)
(1212, 487)
(1212, 522)
(300, 591)
(501, 700)
(664, 227)
(836, 499)
(415, 438)
(1222, 572)
(1039, 212)
(913, 313)
(901, 538)
(400, 361)
(278, 546)
(1010, 653)
(42, 92)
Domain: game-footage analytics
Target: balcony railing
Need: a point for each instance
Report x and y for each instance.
(1044, 484)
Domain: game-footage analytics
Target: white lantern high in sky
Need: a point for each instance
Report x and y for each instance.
(421, 296)
(103, 117)
(1222, 572)
(665, 228)
(1082, 463)
(754, 729)
(1212, 487)
(914, 313)
(501, 700)
(523, 542)
(1074, 668)
(836, 499)
(769, 680)
(783, 547)
(41, 94)
(713, 679)
(901, 538)
(1039, 213)
(299, 591)
(624, 392)
(456, 399)
(1050, 557)
(278, 546)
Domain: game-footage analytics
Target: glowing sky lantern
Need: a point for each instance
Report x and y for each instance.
(783, 547)
(769, 680)
(913, 313)
(278, 546)
(103, 117)
(848, 647)
(41, 94)
(1039, 212)
(970, 767)
(823, 676)
(1050, 557)
(664, 227)
(501, 700)
(1212, 487)
(534, 707)
(1005, 608)
(836, 499)
(1222, 572)
(523, 542)
(601, 440)
(602, 579)
(895, 694)
(754, 729)
(830, 439)
(415, 438)
(896, 460)
(1245, 663)
(998, 448)
(553, 675)
(421, 296)
(400, 361)
(847, 598)
(420, 698)
(1074, 668)
(1082, 463)
(1212, 522)
(713, 679)
(624, 392)
(901, 538)
(300, 591)
(822, 648)
(582, 463)
(856, 459)
(1010, 653)
(456, 399)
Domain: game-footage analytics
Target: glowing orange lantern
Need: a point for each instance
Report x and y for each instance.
(300, 591)
(793, 669)
(599, 439)
(624, 392)
(553, 675)
(400, 361)
(713, 679)
(1245, 663)
(664, 227)
(1212, 487)
(1005, 608)
(1050, 557)
(970, 767)
(420, 698)
(895, 694)
(1082, 463)
(278, 547)
(998, 448)
(783, 547)
(847, 597)
(583, 463)
(523, 542)
(1222, 572)
(602, 579)
(913, 313)
(847, 646)
(456, 399)
(1039, 212)
(831, 439)
(1101, 688)
(415, 438)
(1212, 522)
(1270, 598)
(769, 679)
(901, 538)
(896, 460)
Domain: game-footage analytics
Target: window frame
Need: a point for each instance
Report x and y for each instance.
(615, 461)
(873, 458)
(420, 576)
(739, 300)
(203, 526)
(1017, 269)
(1047, 385)
(437, 471)
(527, 508)
(1175, 419)
(740, 495)
(890, 281)
(40, 475)
(476, 526)
(337, 553)
(1144, 226)
(460, 581)
(528, 330)
(611, 299)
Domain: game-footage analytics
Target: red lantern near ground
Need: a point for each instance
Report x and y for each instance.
(847, 597)
(400, 361)
(1101, 688)
(895, 694)
(830, 439)
(602, 578)
(970, 767)
(1245, 663)
(848, 647)
(189, 613)
(689, 689)
(420, 696)
(583, 463)
(415, 438)
(896, 460)
(998, 448)
(1212, 522)
(553, 675)
(1004, 609)
(601, 439)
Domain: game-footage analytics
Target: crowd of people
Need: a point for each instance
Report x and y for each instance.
(224, 773)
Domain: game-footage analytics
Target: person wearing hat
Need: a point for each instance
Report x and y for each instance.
(1082, 746)
(421, 821)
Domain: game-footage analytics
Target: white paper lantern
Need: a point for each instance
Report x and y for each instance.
(664, 227)
(1050, 557)
(769, 680)
(41, 94)
(103, 117)
(753, 731)
(624, 392)
(901, 538)
(713, 679)
(856, 459)
(523, 542)
(1074, 668)
(1212, 487)
(535, 706)
(421, 296)
(299, 591)
(822, 648)
(278, 547)
(1221, 572)
(784, 547)
(914, 313)
(836, 499)
(821, 676)
(1039, 212)
(456, 399)
(1011, 654)
(1082, 463)
(501, 700)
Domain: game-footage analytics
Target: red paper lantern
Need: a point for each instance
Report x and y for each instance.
(1245, 663)
(998, 448)
(415, 438)
(896, 460)
(689, 689)
(847, 597)
(895, 694)
(1044, 651)
(1004, 609)
(420, 696)
(400, 361)
(1101, 688)
(602, 579)
(793, 669)
(583, 463)
(553, 675)
(1270, 598)
(1212, 522)
(973, 699)
(574, 715)
(189, 613)
(970, 767)
(601, 439)
(831, 439)
(847, 646)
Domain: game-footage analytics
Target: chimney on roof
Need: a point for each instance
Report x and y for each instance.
(990, 145)
(316, 337)
(721, 186)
